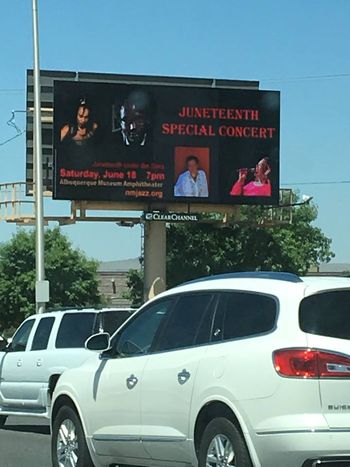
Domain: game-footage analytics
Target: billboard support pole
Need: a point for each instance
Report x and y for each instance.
(41, 286)
(154, 259)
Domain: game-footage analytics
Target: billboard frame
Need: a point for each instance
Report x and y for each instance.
(47, 78)
(99, 158)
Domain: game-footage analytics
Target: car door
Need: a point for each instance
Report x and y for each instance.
(169, 377)
(68, 349)
(243, 320)
(13, 367)
(325, 317)
(114, 415)
(37, 373)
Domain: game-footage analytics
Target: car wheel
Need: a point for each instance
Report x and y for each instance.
(222, 445)
(3, 419)
(68, 444)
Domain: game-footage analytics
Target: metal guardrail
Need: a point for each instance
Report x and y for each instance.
(17, 207)
(282, 214)
(14, 204)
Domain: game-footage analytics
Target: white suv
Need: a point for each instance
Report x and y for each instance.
(42, 348)
(242, 370)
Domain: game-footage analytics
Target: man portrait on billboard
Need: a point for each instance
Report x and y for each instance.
(193, 181)
(260, 186)
(132, 128)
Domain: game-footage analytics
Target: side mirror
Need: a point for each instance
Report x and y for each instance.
(99, 342)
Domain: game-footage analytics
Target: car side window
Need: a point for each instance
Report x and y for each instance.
(138, 335)
(205, 332)
(74, 329)
(42, 333)
(110, 321)
(247, 314)
(185, 323)
(20, 339)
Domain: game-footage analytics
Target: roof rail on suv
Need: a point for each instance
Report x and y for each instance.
(67, 308)
(88, 308)
(278, 276)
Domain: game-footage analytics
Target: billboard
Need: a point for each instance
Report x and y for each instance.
(165, 144)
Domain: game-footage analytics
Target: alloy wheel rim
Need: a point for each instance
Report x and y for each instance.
(67, 444)
(221, 453)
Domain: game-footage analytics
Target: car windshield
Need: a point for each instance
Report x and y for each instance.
(326, 314)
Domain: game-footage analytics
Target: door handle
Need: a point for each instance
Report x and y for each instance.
(19, 362)
(39, 362)
(183, 376)
(131, 381)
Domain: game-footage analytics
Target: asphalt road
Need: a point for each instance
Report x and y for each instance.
(25, 442)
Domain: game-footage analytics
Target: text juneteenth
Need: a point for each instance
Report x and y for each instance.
(193, 127)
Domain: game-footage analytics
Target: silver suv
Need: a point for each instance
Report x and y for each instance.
(42, 348)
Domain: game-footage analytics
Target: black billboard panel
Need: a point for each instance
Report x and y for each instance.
(126, 142)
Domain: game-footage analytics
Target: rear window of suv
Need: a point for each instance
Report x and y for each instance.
(326, 314)
(247, 314)
(74, 329)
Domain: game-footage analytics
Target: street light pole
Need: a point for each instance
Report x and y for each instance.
(41, 286)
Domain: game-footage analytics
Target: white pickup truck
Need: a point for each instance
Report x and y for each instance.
(42, 348)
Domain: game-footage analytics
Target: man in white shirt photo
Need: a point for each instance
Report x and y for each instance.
(192, 182)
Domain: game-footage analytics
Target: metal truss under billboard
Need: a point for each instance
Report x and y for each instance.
(123, 142)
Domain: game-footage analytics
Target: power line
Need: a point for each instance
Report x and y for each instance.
(308, 77)
(280, 79)
(11, 90)
(333, 182)
(12, 123)
(13, 137)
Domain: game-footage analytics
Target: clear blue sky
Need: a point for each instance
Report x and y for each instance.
(273, 41)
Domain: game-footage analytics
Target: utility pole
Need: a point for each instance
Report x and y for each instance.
(154, 281)
(41, 286)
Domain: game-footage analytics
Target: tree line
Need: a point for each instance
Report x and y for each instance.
(193, 250)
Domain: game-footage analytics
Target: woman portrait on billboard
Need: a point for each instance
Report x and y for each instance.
(82, 129)
(78, 138)
(260, 186)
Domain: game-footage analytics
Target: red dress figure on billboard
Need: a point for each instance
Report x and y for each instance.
(261, 186)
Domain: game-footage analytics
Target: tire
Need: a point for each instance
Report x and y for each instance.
(227, 436)
(3, 419)
(77, 450)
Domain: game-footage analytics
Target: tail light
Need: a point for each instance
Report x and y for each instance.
(311, 363)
